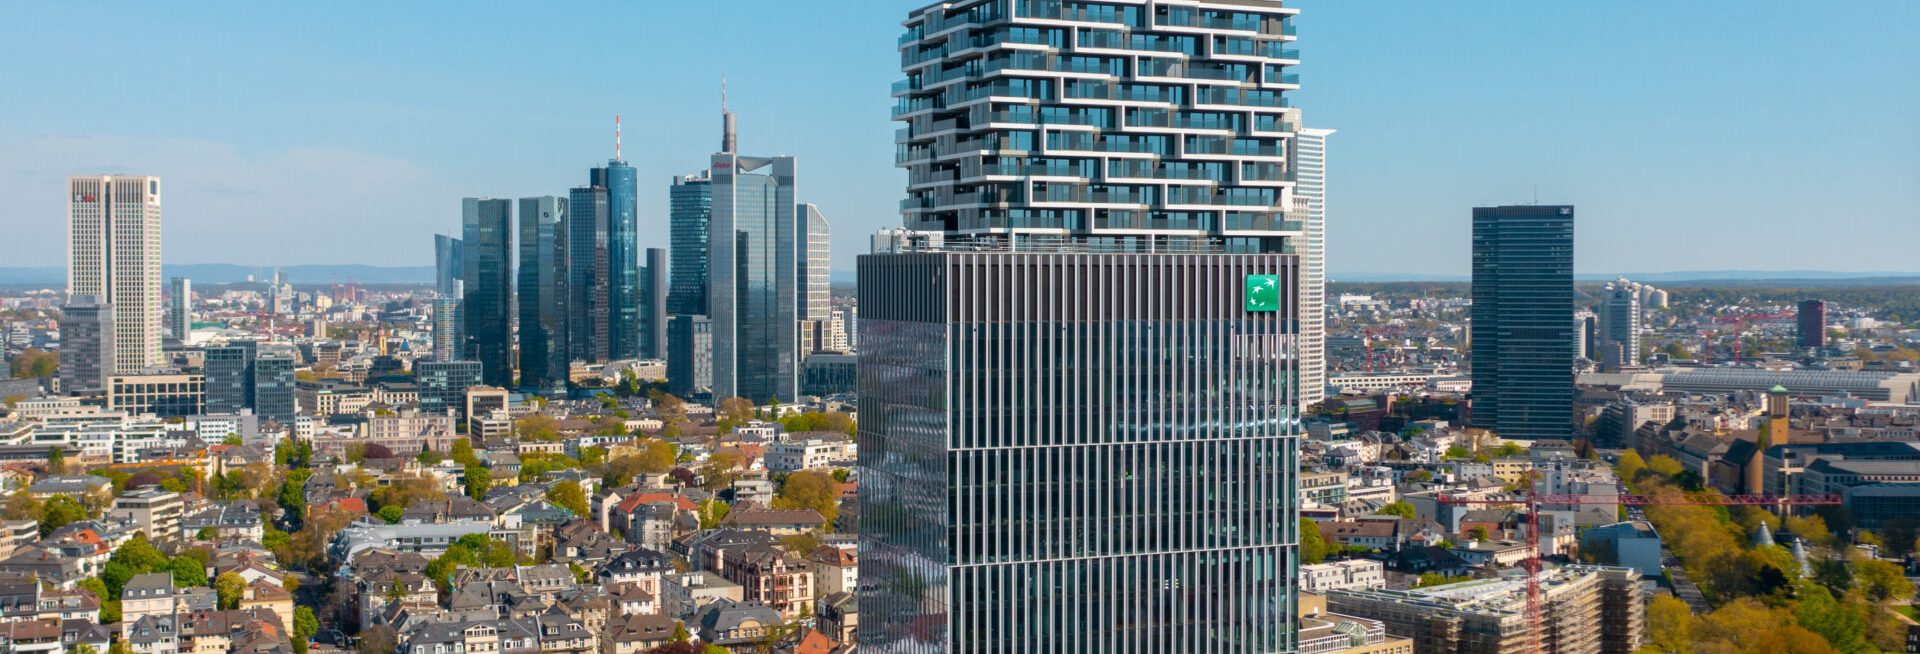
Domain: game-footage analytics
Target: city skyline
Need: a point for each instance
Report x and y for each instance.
(1374, 61)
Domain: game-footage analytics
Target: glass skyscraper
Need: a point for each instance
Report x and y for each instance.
(230, 377)
(543, 293)
(273, 384)
(752, 263)
(623, 258)
(653, 305)
(448, 267)
(587, 268)
(690, 216)
(1522, 334)
(444, 384)
(488, 281)
(1309, 167)
(1078, 427)
(815, 293)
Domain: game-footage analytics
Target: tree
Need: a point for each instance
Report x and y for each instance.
(810, 489)
(1898, 533)
(187, 572)
(802, 543)
(463, 453)
(109, 607)
(378, 639)
(712, 512)
(538, 427)
(35, 364)
(1477, 533)
(1313, 546)
(1437, 579)
(1457, 452)
(391, 513)
(479, 481)
(1630, 466)
(718, 472)
(428, 457)
(1881, 581)
(1420, 476)
(1843, 626)
(305, 624)
(60, 511)
(711, 648)
(669, 409)
(405, 491)
(1670, 625)
(229, 587)
(569, 496)
(1400, 508)
(57, 460)
(736, 409)
(22, 505)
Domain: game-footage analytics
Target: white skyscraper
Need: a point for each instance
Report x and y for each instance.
(1310, 187)
(1620, 325)
(114, 256)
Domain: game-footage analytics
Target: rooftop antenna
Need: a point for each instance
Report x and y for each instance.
(616, 137)
(727, 139)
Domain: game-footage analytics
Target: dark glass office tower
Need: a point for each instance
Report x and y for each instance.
(447, 264)
(587, 268)
(444, 384)
(623, 258)
(653, 305)
(273, 388)
(229, 373)
(751, 254)
(488, 280)
(1078, 427)
(86, 344)
(690, 213)
(690, 363)
(1522, 344)
(543, 293)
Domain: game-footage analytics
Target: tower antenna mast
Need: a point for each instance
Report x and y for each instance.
(616, 137)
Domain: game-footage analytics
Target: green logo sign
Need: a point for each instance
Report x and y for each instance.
(1263, 293)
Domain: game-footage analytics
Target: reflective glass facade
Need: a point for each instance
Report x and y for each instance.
(444, 384)
(273, 384)
(587, 235)
(488, 306)
(1522, 335)
(229, 377)
(543, 293)
(690, 215)
(447, 264)
(1076, 453)
(751, 250)
(623, 259)
(1077, 432)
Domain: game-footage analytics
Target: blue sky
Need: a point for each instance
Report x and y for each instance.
(1693, 136)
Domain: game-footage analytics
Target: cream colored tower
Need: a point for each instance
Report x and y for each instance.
(113, 225)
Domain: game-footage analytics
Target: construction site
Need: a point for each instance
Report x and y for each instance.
(1582, 610)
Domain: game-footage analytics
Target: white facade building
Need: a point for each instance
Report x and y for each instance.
(113, 226)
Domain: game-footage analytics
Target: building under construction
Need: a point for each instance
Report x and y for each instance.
(1584, 610)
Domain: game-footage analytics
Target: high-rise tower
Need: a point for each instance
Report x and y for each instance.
(623, 258)
(543, 293)
(113, 225)
(448, 264)
(1522, 338)
(814, 255)
(751, 265)
(180, 308)
(587, 274)
(1078, 405)
(1619, 326)
(1309, 164)
(690, 216)
(488, 282)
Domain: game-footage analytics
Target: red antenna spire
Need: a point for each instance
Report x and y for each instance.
(616, 137)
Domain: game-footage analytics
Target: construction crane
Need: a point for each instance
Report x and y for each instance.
(1740, 324)
(1534, 502)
